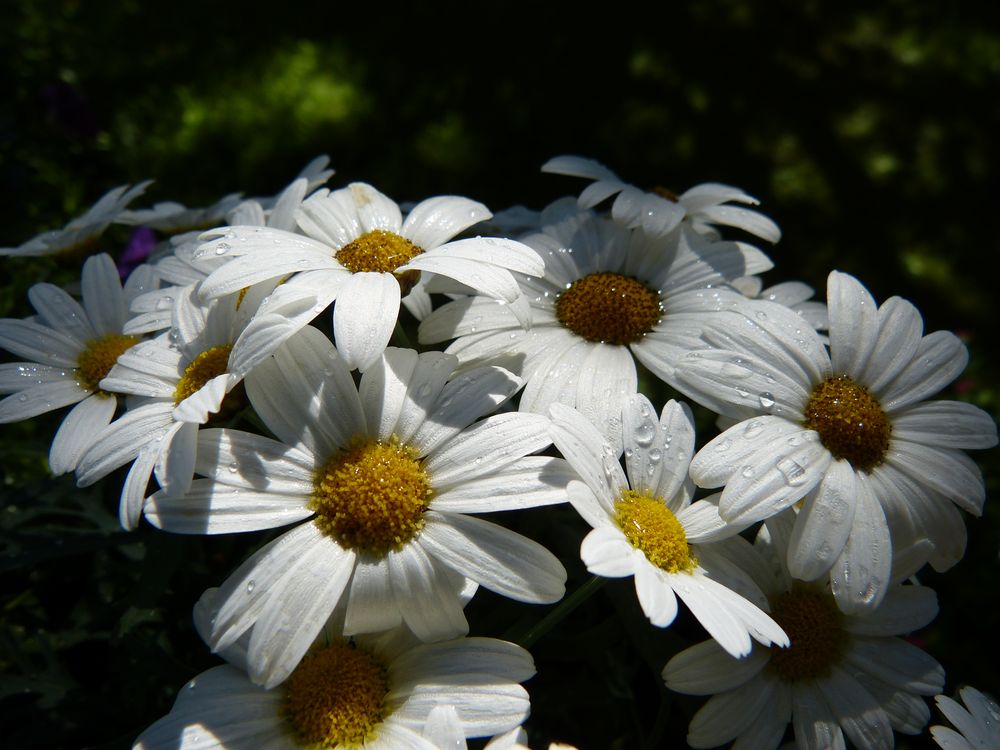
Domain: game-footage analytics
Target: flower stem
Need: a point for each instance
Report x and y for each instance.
(557, 615)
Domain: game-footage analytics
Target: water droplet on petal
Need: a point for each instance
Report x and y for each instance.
(250, 586)
(753, 428)
(766, 399)
(793, 471)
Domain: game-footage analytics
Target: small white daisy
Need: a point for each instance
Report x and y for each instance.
(82, 232)
(385, 474)
(359, 251)
(646, 525)
(842, 674)
(849, 432)
(71, 348)
(978, 722)
(183, 377)
(376, 693)
(609, 296)
(660, 212)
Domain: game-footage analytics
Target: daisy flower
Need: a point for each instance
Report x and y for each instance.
(358, 250)
(183, 377)
(978, 722)
(376, 693)
(385, 475)
(842, 675)
(660, 212)
(70, 347)
(82, 232)
(609, 296)
(646, 525)
(847, 432)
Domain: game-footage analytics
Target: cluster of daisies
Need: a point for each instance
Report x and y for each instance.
(254, 371)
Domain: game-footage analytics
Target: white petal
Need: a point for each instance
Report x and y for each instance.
(41, 399)
(706, 668)
(212, 508)
(383, 390)
(421, 589)
(607, 553)
(948, 472)
(78, 430)
(773, 478)
(502, 561)
(102, 294)
(946, 424)
(861, 575)
(252, 462)
(525, 483)
(197, 407)
(824, 523)
(133, 497)
(434, 221)
(38, 343)
(425, 385)
(728, 714)
(721, 457)
(656, 597)
(121, 441)
(375, 210)
(588, 452)
(940, 358)
(364, 317)
(897, 663)
(465, 398)
(496, 251)
(371, 606)
(487, 446)
(490, 281)
(859, 715)
(853, 324)
(815, 724)
(900, 329)
(60, 312)
(175, 464)
(578, 166)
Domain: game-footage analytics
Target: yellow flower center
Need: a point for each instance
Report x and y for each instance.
(99, 356)
(813, 624)
(609, 308)
(336, 697)
(652, 529)
(850, 422)
(207, 365)
(381, 251)
(371, 496)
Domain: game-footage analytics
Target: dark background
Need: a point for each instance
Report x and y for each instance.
(869, 133)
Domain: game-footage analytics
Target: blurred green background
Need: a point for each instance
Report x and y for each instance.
(869, 133)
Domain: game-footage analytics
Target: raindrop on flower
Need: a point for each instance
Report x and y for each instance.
(766, 399)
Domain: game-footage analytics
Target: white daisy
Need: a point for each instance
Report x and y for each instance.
(978, 722)
(71, 347)
(842, 675)
(847, 431)
(660, 212)
(183, 377)
(646, 525)
(359, 251)
(81, 233)
(386, 472)
(371, 693)
(608, 295)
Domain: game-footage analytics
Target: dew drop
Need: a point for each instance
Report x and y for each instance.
(22, 397)
(793, 471)
(644, 433)
(222, 248)
(250, 586)
(655, 456)
(723, 445)
(753, 429)
(233, 467)
(766, 399)
(747, 472)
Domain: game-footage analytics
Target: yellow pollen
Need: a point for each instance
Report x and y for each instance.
(377, 250)
(99, 356)
(336, 697)
(652, 529)
(813, 624)
(609, 308)
(371, 496)
(207, 365)
(850, 422)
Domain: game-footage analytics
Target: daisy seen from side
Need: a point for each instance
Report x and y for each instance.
(842, 676)
(387, 477)
(659, 212)
(81, 234)
(645, 525)
(849, 432)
